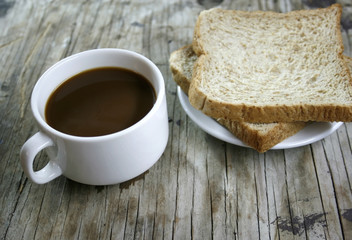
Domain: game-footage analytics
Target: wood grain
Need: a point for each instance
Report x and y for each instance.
(201, 188)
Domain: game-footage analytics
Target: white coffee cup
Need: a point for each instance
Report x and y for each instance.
(100, 160)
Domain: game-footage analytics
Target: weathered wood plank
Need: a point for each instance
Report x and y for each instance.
(342, 189)
(246, 201)
(326, 189)
(278, 211)
(307, 215)
(201, 188)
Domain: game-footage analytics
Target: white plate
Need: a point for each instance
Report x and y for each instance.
(312, 133)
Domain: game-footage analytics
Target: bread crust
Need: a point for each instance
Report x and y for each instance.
(266, 113)
(258, 140)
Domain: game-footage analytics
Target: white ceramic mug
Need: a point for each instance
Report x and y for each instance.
(101, 160)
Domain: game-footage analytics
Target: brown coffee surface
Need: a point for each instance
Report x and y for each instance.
(99, 101)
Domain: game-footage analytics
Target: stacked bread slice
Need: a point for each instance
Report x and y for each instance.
(264, 75)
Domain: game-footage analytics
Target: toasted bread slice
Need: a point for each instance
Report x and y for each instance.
(261, 137)
(271, 67)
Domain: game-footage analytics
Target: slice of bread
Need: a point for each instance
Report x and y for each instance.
(261, 137)
(271, 67)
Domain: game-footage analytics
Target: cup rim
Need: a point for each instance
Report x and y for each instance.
(160, 95)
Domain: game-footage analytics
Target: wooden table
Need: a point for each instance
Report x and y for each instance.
(201, 188)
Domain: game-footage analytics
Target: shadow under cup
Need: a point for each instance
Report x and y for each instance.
(100, 160)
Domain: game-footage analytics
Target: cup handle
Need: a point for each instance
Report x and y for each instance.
(30, 149)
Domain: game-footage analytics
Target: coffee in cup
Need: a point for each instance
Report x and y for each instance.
(99, 101)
